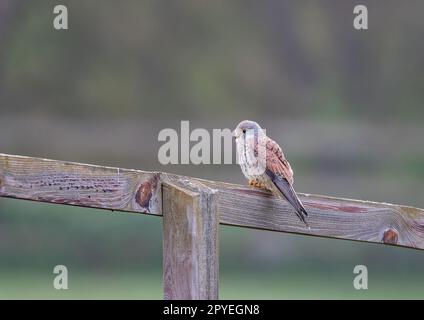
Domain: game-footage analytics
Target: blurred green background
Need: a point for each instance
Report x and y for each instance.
(346, 106)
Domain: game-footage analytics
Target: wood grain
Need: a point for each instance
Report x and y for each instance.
(138, 191)
(328, 217)
(190, 241)
(79, 184)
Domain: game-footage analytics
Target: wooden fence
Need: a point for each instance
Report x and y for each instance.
(192, 209)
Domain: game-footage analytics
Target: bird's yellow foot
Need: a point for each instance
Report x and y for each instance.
(261, 186)
(257, 184)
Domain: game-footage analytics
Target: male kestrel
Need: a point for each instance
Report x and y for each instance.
(263, 163)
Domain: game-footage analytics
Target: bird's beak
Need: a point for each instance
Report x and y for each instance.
(234, 134)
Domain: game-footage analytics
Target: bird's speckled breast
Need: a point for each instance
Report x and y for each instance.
(248, 160)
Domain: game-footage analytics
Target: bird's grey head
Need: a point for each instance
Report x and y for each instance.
(247, 127)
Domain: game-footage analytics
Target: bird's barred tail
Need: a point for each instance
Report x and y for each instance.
(286, 189)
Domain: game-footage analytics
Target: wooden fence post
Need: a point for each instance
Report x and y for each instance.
(190, 241)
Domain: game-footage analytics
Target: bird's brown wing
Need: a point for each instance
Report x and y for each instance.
(276, 162)
(281, 174)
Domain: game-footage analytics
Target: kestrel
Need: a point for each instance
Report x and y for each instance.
(263, 163)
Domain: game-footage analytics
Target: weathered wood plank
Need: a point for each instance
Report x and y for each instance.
(138, 191)
(328, 217)
(79, 184)
(190, 242)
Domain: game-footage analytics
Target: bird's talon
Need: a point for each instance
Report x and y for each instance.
(263, 186)
(257, 184)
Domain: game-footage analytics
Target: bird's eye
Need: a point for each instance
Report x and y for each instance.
(244, 130)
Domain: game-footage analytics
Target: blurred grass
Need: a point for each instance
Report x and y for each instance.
(148, 285)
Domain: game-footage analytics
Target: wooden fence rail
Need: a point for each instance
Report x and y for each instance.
(192, 209)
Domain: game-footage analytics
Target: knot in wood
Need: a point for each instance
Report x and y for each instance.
(390, 236)
(145, 191)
